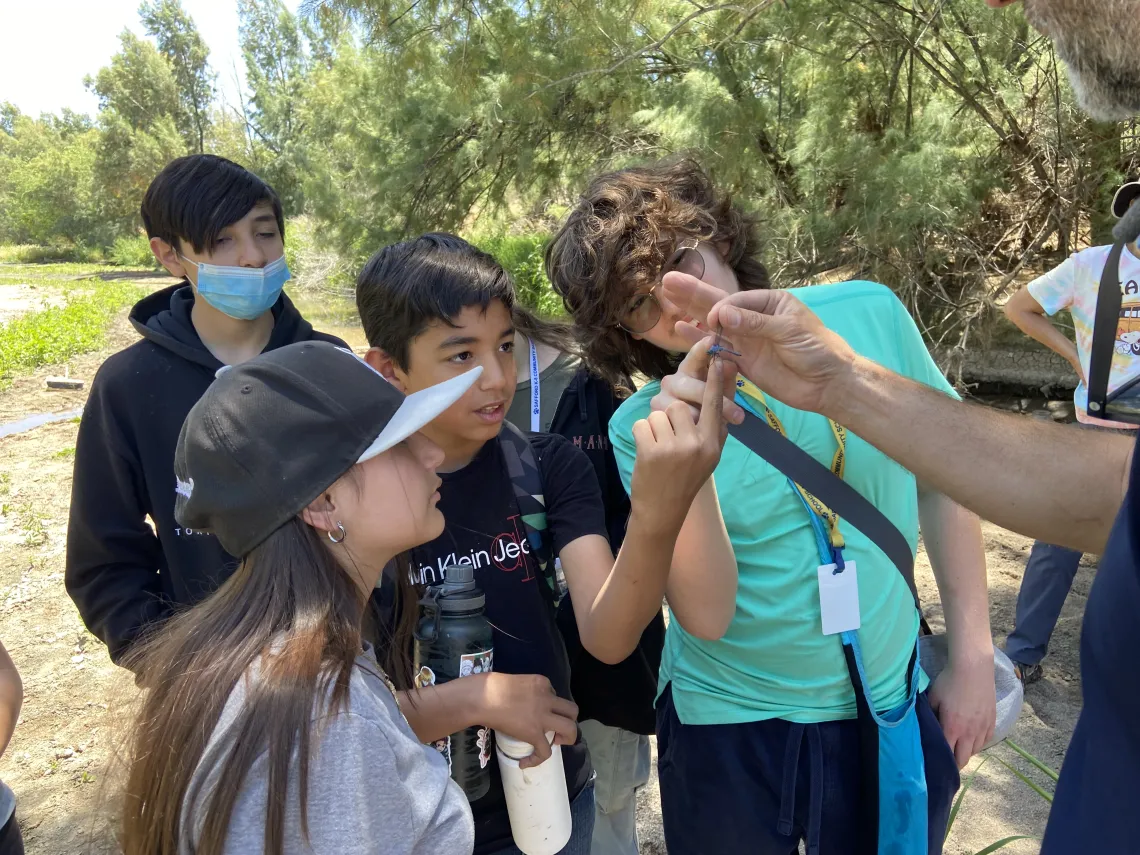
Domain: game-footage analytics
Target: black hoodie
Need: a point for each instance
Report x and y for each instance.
(122, 572)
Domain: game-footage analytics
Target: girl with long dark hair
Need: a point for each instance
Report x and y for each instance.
(268, 725)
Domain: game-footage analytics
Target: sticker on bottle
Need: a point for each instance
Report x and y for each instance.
(484, 742)
(481, 662)
(443, 746)
(425, 677)
(561, 586)
(839, 598)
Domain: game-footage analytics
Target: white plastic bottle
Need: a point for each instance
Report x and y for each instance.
(537, 801)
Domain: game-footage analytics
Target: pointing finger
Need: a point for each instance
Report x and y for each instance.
(711, 425)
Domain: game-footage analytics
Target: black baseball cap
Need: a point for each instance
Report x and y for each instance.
(1124, 197)
(271, 434)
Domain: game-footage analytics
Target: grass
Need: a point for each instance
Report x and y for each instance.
(1040, 791)
(35, 534)
(56, 333)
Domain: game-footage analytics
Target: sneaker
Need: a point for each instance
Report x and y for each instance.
(1027, 673)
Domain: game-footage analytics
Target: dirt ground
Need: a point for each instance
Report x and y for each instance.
(57, 760)
(17, 299)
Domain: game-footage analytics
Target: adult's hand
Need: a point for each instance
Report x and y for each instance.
(784, 348)
(964, 699)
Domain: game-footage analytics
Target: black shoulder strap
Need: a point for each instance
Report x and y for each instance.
(526, 484)
(1105, 324)
(841, 497)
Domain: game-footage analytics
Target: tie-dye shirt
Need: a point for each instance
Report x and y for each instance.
(1074, 286)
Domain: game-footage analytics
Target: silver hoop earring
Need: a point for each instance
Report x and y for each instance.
(343, 534)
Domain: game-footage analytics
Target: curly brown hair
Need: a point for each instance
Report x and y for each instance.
(615, 241)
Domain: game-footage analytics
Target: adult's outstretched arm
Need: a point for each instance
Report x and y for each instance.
(1047, 481)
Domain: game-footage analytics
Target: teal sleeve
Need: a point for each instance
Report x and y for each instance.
(621, 430)
(915, 359)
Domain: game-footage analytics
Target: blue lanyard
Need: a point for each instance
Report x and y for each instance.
(535, 393)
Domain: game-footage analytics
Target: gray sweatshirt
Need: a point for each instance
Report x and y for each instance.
(373, 788)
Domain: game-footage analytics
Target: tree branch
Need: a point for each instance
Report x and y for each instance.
(701, 12)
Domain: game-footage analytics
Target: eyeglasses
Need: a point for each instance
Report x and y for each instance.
(644, 310)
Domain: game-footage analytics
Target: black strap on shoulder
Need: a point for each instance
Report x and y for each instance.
(1105, 324)
(526, 486)
(841, 497)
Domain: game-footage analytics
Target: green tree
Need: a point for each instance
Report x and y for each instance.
(138, 86)
(276, 63)
(139, 113)
(9, 112)
(126, 161)
(930, 144)
(180, 42)
(46, 179)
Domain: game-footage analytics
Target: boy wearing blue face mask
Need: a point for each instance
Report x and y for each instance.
(220, 229)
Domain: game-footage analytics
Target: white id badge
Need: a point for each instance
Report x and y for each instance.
(839, 598)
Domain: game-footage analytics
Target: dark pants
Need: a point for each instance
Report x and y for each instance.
(1049, 575)
(761, 787)
(11, 843)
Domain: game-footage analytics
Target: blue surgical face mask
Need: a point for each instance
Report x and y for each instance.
(242, 292)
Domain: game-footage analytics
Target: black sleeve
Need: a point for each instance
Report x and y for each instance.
(613, 491)
(113, 556)
(574, 506)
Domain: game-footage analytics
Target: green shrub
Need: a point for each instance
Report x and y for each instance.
(521, 256)
(57, 333)
(30, 253)
(133, 252)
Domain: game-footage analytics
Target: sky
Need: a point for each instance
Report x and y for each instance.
(49, 46)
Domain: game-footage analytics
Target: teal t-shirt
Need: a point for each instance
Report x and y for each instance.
(774, 661)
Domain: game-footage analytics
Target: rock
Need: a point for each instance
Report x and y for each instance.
(1065, 415)
(69, 383)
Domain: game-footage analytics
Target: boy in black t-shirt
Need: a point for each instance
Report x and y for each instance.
(435, 307)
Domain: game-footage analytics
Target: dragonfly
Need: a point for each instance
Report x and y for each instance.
(717, 347)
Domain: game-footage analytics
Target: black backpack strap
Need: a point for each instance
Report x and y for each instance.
(792, 461)
(1105, 324)
(526, 483)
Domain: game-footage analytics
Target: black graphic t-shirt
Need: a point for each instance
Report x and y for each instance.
(484, 531)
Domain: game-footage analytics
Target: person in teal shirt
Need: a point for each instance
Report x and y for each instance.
(747, 673)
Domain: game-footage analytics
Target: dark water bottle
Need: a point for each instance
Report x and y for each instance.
(453, 640)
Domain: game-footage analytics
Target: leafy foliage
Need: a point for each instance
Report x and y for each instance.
(522, 257)
(132, 252)
(276, 63)
(182, 45)
(929, 144)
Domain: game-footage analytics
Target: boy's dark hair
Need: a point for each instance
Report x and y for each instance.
(196, 196)
(617, 237)
(406, 286)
